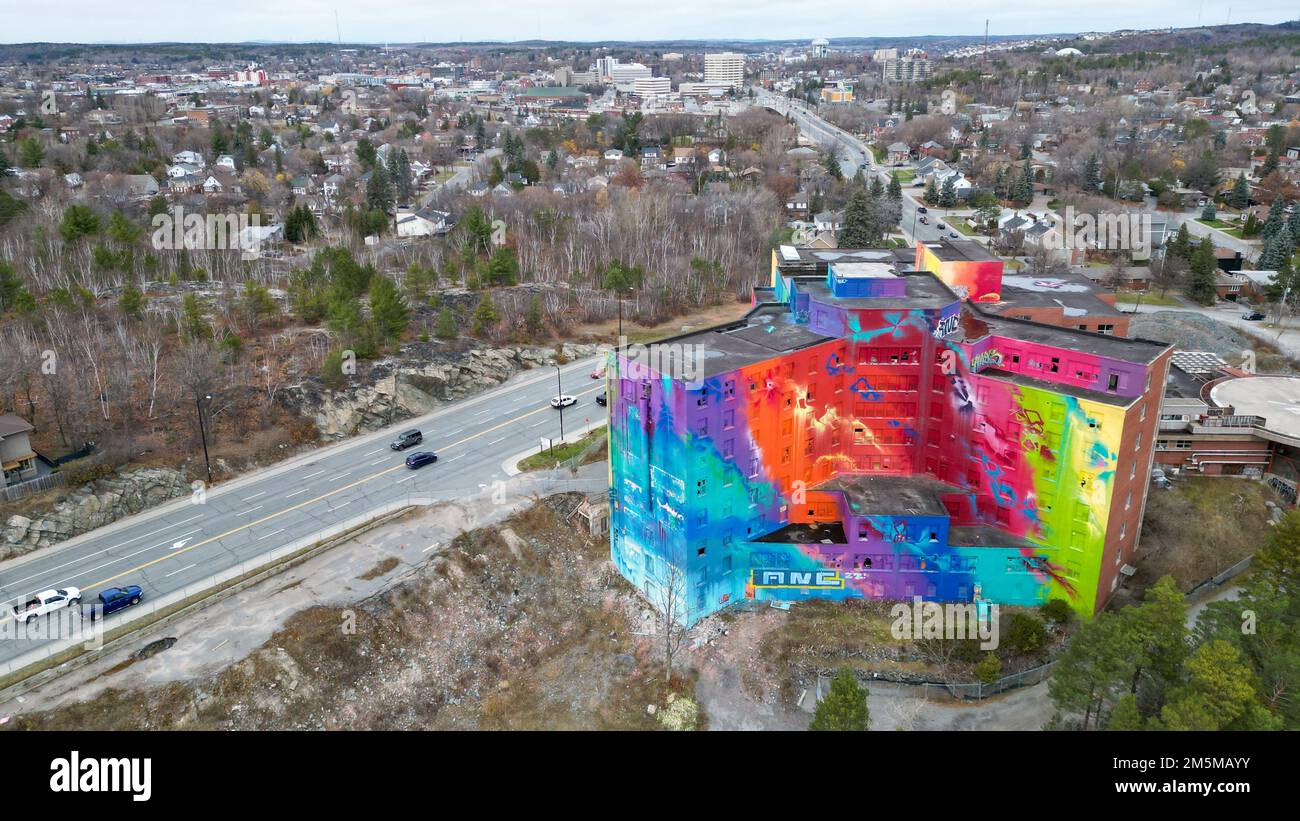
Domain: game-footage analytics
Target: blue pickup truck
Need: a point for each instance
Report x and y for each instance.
(112, 599)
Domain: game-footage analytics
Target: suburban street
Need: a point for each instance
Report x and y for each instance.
(188, 540)
(852, 153)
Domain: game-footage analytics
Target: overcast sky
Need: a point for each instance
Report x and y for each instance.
(94, 21)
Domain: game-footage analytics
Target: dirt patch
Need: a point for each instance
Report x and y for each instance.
(482, 636)
(379, 569)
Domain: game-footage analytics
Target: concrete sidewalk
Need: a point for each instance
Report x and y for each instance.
(511, 465)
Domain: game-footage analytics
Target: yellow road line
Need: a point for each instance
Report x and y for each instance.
(361, 481)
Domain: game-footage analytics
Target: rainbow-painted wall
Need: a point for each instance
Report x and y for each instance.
(1022, 472)
(978, 280)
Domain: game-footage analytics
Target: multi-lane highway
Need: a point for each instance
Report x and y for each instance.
(853, 153)
(184, 542)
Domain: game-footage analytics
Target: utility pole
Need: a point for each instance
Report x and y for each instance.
(559, 393)
(203, 432)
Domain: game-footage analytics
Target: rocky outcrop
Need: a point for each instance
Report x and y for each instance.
(414, 382)
(92, 505)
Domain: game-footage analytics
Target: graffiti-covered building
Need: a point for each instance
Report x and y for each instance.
(865, 432)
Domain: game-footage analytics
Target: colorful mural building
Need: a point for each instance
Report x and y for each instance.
(864, 431)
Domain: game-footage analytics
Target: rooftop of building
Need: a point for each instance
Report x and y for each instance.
(977, 322)
(961, 250)
(766, 332)
(891, 495)
(923, 292)
(798, 260)
(986, 536)
(1076, 295)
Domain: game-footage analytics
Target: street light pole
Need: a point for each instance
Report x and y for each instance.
(559, 392)
(203, 433)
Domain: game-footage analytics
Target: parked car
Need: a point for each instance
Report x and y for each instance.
(601, 398)
(406, 439)
(953, 235)
(563, 401)
(421, 458)
(112, 599)
(47, 601)
(1253, 316)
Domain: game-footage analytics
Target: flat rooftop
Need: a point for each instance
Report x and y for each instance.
(891, 495)
(960, 250)
(766, 332)
(1276, 398)
(924, 292)
(978, 323)
(1076, 295)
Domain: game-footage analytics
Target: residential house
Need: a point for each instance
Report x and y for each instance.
(899, 154)
(422, 222)
(17, 459)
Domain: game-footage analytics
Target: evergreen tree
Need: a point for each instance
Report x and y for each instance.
(485, 315)
(1209, 213)
(895, 188)
(388, 309)
(1275, 221)
(858, 229)
(1204, 266)
(1240, 196)
(379, 192)
(1092, 174)
(131, 302)
(534, 321)
(845, 707)
(948, 194)
(447, 327)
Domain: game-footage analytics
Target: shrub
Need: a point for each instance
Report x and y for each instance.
(989, 669)
(1025, 633)
(1057, 610)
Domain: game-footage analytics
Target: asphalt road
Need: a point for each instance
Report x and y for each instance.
(854, 153)
(179, 544)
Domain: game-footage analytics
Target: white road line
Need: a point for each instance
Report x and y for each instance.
(186, 567)
(250, 510)
(454, 458)
(340, 476)
(409, 478)
(310, 475)
(269, 535)
(496, 441)
(254, 496)
(484, 411)
(378, 462)
(430, 547)
(296, 492)
(539, 424)
(373, 452)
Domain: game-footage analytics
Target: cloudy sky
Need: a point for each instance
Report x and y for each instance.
(93, 21)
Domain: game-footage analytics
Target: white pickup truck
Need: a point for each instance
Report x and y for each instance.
(47, 601)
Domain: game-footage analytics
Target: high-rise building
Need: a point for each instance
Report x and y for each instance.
(865, 432)
(725, 69)
(907, 69)
(652, 87)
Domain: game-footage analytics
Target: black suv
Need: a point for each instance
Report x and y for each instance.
(406, 439)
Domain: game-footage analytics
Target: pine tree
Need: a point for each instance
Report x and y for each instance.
(845, 707)
(1200, 284)
(1240, 196)
(1276, 218)
(896, 188)
(1092, 174)
(388, 309)
(485, 315)
(447, 327)
(858, 229)
(1209, 213)
(948, 195)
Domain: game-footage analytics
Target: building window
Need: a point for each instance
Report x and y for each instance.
(1112, 382)
(1105, 328)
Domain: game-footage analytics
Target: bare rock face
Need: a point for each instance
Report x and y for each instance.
(419, 379)
(92, 505)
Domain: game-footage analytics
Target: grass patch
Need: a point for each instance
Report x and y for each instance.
(1201, 527)
(562, 453)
